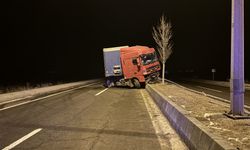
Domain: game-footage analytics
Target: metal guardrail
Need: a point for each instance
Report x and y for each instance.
(218, 83)
(247, 107)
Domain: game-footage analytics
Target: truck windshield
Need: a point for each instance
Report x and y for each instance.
(148, 58)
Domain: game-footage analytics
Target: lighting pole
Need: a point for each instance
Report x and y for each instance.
(237, 87)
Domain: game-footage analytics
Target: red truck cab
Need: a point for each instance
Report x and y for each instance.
(139, 63)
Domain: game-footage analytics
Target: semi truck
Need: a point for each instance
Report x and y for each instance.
(133, 66)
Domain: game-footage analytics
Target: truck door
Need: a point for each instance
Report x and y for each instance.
(131, 68)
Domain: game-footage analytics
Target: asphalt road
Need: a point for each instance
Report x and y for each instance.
(219, 91)
(89, 118)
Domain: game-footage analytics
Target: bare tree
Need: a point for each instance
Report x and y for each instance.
(162, 34)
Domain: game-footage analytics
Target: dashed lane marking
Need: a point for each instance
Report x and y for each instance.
(101, 91)
(14, 144)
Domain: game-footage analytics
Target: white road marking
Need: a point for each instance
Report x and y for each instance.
(166, 135)
(15, 100)
(41, 98)
(209, 89)
(101, 91)
(22, 139)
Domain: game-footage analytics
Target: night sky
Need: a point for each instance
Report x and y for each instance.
(59, 40)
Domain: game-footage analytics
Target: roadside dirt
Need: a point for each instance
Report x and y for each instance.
(210, 112)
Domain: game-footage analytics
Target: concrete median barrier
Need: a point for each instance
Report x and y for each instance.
(193, 132)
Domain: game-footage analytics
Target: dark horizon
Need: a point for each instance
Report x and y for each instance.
(50, 41)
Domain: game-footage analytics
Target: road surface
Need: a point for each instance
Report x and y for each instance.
(89, 118)
(219, 91)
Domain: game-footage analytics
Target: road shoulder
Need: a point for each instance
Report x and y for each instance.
(166, 135)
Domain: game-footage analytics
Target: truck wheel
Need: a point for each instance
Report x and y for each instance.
(109, 83)
(136, 84)
(106, 84)
(112, 84)
(130, 83)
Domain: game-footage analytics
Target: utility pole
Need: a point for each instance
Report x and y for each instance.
(237, 83)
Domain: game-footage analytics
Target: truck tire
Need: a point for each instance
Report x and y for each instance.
(109, 83)
(136, 84)
(130, 83)
(106, 83)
